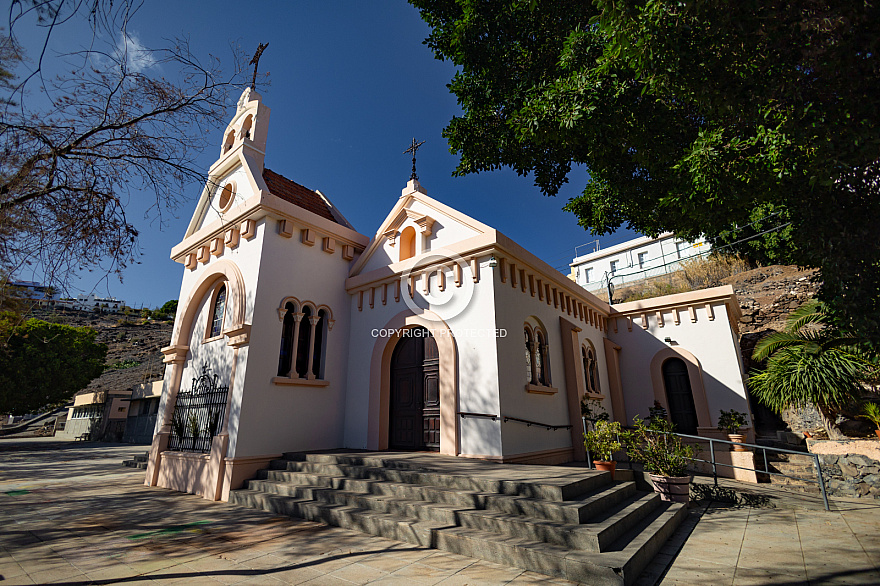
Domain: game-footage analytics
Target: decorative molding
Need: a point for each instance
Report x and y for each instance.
(191, 262)
(299, 382)
(248, 229)
(285, 228)
(391, 235)
(308, 237)
(347, 252)
(204, 254)
(328, 244)
(541, 389)
(217, 246)
(231, 239)
(239, 336)
(175, 354)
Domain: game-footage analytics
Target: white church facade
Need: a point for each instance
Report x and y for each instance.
(437, 333)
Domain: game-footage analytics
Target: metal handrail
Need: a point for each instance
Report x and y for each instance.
(529, 423)
(465, 415)
(506, 418)
(817, 466)
(712, 441)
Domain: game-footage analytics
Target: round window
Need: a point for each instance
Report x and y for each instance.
(226, 197)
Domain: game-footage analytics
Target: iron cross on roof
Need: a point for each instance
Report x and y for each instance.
(255, 61)
(413, 149)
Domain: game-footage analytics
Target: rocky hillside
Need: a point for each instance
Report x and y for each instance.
(134, 345)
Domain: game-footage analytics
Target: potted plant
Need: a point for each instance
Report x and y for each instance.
(194, 429)
(731, 422)
(663, 455)
(178, 428)
(601, 442)
(871, 412)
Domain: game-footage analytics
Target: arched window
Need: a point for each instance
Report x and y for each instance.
(318, 358)
(227, 194)
(537, 356)
(302, 345)
(591, 369)
(217, 311)
(541, 360)
(230, 139)
(286, 353)
(407, 243)
(530, 372)
(246, 126)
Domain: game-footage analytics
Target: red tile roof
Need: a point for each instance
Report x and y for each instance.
(291, 191)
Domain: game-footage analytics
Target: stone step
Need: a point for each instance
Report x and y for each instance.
(370, 470)
(574, 511)
(629, 554)
(594, 536)
(616, 520)
(134, 464)
(139, 461)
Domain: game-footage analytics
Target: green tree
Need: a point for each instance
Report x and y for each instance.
(44, 364)
(811, 363)
(169, 308)
(694, 117)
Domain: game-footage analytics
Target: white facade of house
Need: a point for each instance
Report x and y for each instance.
(309, 323)
(634, 260)
(89, 302)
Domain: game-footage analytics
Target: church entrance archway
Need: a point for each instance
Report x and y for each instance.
(680, 396)
(414, 418)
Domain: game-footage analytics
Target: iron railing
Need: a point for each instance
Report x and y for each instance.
(506, 418)
(198, 414)
(817, 466)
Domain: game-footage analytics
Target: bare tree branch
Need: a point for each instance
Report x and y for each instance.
(130, 122)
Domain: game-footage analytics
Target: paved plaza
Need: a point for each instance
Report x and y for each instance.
(71, 514)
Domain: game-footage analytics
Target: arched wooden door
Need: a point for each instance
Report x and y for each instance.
(679, 396)
(415, 393)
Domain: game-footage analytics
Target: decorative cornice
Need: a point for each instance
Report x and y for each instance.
(175, 354)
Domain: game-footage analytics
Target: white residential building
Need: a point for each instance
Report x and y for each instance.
(634, 260)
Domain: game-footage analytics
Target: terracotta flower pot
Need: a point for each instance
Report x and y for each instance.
(606, 466)
(739, 438)
(674, 489)
(877, 431)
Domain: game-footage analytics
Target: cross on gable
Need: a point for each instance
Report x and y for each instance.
(413, 149)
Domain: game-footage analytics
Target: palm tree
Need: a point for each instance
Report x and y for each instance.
(811, 362)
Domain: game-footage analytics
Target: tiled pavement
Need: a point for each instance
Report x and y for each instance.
(70, 514)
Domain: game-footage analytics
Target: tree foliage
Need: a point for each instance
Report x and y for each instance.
(44, 364)
(119, 122)
(811, 363)
(694, 117)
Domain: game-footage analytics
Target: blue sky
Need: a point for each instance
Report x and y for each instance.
(351, 85)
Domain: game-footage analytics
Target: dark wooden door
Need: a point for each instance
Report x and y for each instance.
(415, 394)
(431, 394)
(679, 396)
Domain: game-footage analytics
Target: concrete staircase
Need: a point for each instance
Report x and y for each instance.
(568, 522)
(139, 461)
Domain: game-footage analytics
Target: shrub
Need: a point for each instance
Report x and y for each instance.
(603, 441)
(701, 273)
(660, 451)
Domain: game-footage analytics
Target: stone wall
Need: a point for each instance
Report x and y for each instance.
(851, 468)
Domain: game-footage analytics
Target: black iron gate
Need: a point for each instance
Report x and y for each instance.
(198, 414)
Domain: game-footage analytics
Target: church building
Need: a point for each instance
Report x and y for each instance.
(436, 333)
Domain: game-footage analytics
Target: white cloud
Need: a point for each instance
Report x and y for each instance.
(137, 57)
